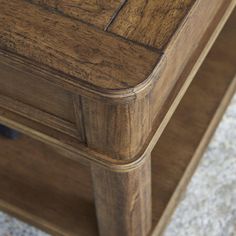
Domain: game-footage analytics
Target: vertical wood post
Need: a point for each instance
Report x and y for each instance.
(123, 200)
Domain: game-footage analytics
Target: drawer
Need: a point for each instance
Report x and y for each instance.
(38, 99)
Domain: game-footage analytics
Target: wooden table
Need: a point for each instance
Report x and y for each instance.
(94, 86)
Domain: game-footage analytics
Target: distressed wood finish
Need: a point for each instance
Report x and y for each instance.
(121, 84)
(55, 195)
(179, 64)
(176, 27)
(39, 116)
(201, 25)
(128, 134)
(102, 98)
(123, 200)
(97, 12)
(35, 92)
(71, 47)
(172, 165)
(150, 22)
(183, 60)
(189, 132)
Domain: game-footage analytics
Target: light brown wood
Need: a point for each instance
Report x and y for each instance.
(181, 145)
(162, 112)
(42, 187)
(67, 145)
(123, 200)
(174, 158)
(97, 12)
(121, 140)
(173, 173)
(39, 116)
(202, 24)
(32, 90)
(149, 107)
(79, 118)
(81, 53)
(120, 84)
(150, 22)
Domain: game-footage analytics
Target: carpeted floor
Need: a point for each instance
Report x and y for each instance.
(208, 208)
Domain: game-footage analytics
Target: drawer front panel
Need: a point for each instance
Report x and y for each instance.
(37, 99)
(36, 92)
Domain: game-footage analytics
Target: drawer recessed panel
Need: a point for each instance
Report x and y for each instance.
(36, 92)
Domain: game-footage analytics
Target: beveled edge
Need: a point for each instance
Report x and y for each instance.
(131, 62)
(114, 95)
(87, 155)
(82, 154)
(78, 86)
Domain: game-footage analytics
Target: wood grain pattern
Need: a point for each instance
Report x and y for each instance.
(129, 114)
(123, 200)
(79, 118)
(32, 90)
(87, 55)
(183, 58)
(65, 144)
(46, 189)
(134, 123)
(134, 84)
(123, 127)
(151, 22)
(174, 158)
(138, 96)
(96, 12)
(205, 101)
(175, 171)
(39, 116)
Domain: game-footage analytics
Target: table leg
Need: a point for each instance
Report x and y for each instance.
(123, 200)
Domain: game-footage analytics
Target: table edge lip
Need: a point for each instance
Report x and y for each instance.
(68, 82)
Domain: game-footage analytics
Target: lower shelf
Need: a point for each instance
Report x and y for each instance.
(46, 189)
(35, 187)
(178, 151)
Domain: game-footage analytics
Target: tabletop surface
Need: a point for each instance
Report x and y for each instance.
(104, 44)
(101, 78)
